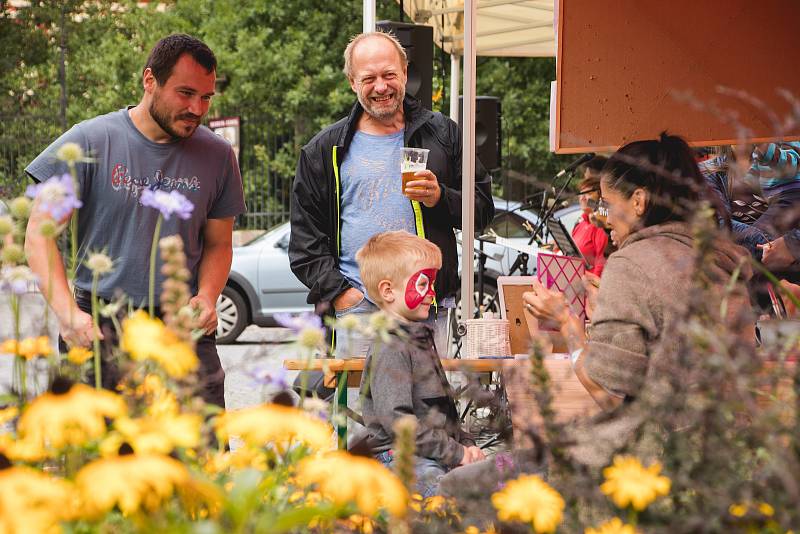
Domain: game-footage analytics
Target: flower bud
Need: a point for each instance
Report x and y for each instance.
(6, 225)
(348, 322)
(311, 338)
(48, 228)
(20, 207)
(70, 152)
(99, 263)
(12, 253)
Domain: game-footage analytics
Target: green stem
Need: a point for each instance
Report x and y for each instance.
(19, 362)
(633, 517)
(73, 227)
(98, 382)
(73, 245)
(153, 249)
(304, 379)
(23, 379)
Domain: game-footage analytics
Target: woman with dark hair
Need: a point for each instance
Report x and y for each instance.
(652, 191)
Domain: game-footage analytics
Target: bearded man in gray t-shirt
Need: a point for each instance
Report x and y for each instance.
(158, 144)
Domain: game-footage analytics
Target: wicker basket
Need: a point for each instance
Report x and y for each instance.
(486, 337)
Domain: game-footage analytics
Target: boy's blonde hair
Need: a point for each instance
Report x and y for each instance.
(392, 256)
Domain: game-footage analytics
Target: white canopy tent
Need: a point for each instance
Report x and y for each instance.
(522, 28)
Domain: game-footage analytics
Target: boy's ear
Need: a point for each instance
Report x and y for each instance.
(385, 290)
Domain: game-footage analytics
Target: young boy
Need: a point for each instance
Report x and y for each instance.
(404, 376)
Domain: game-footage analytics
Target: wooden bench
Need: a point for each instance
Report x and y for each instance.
(571, 399)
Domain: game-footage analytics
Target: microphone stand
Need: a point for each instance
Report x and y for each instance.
(552, 208)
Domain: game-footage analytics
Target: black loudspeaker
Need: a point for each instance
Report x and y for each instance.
(487, 129)
(417, 40)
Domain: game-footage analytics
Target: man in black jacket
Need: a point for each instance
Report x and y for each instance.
(348, 185)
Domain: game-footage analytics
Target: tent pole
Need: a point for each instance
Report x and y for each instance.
(369, 16)
(455, 84)
(468, 163)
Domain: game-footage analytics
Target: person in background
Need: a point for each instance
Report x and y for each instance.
(588, 233)
(347, 187)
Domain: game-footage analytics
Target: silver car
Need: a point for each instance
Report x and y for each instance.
(261, 283)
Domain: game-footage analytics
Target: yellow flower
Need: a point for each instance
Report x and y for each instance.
(415, 502)
(358, 523)
(8, 414)
(21, 450)
(155, 434)
(614, 526)
(72, 417)
(737, 510)
(766, 509)
(344, 479)
(28, 348)
(275, 424)
(130, 482)
(200, 499)
(629, 483)
(31, 501)
(241, 458)
(148, 339)
(79, 355)
(530, 500)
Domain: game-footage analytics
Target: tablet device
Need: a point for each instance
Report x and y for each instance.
(563, 239)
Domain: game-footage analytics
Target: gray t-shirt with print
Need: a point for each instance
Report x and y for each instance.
(202, 167)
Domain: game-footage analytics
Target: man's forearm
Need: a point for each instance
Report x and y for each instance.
(213, 271)
(47, 264)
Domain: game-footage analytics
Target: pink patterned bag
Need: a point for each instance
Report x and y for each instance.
(565, 274)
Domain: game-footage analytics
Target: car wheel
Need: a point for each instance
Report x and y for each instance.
(231, 316)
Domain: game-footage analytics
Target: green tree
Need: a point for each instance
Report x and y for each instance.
(523, 86)
(282, 60)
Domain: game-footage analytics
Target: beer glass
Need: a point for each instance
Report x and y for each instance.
(413, 160)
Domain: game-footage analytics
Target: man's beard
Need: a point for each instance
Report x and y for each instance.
(165, 122)
(385, 113)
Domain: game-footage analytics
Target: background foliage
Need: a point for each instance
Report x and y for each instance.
(282, 60)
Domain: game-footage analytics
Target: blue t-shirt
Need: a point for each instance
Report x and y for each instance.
(372, 200)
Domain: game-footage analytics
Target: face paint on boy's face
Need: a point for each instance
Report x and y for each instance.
(419, 286)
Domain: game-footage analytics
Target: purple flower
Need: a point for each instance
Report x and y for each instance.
(56, 196)
(298, 323)
(168, 203)
(269, 376)
(17, 280)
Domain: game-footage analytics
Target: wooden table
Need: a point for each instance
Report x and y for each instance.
(572, 399)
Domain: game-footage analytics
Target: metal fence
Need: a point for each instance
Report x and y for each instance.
(22, 137)
(266, 189)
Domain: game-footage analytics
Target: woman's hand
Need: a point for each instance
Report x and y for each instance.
(591, 283)
(546, 304)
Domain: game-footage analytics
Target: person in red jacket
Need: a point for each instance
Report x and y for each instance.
(588, 233)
